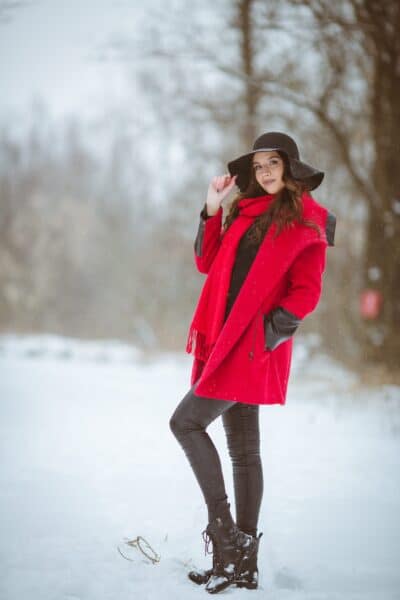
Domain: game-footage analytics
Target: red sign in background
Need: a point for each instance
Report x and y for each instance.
(370, 303)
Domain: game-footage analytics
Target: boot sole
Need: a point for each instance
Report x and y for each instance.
(240, 584)
(220, 588)
(249, 585)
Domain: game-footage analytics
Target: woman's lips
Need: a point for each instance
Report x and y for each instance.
(269, 181)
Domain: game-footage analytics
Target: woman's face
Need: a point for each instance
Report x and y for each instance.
(268, 170)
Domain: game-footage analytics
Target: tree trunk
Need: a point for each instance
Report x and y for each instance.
(382, 256)
(251, 92)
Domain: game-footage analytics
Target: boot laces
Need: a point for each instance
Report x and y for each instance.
(217, 562)
(207, 540)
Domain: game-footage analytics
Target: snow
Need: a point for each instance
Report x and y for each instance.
(88, 459)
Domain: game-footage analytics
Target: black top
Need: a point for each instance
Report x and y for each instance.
(245, 254)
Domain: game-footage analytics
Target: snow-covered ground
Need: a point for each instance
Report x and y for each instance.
(87, 458)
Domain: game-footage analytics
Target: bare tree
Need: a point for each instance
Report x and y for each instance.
(359, 105)
(333, 71)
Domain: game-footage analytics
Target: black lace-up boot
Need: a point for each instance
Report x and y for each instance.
(247, 577)
(231, 547)
(201, 576)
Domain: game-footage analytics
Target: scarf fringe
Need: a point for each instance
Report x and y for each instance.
(197, 342)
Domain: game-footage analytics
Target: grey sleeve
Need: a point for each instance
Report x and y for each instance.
(279, 326)
(203, 213)
(330, 229)
(198, 243)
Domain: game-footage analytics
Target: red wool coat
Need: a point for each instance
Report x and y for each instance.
(286, 272)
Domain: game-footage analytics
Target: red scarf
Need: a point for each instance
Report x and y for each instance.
(208, 317)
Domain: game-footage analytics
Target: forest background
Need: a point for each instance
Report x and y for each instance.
(113, 119)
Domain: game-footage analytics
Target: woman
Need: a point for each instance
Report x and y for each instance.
(264, 271)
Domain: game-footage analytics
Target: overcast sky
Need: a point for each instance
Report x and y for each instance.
(50, 49)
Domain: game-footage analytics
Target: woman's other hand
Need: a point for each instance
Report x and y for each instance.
(219, 188)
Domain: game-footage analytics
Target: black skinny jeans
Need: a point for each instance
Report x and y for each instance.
(189, 422)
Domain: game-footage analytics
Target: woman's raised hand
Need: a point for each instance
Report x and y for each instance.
(219, 188)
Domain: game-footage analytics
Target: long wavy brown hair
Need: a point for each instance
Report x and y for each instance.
(285, 210)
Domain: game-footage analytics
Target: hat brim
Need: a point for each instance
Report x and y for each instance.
(298, 169)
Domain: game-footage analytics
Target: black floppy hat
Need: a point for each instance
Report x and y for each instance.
(274, 140)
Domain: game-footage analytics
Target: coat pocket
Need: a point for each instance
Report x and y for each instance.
(257, 344)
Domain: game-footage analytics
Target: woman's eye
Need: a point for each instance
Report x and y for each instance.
(274, 162)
